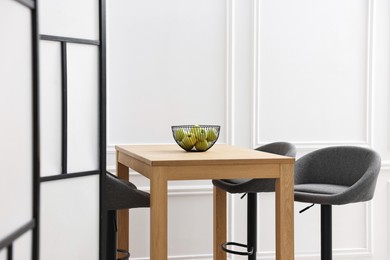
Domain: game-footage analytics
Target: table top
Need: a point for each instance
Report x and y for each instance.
(173, 155)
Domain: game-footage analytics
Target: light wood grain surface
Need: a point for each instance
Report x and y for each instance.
(173, 155)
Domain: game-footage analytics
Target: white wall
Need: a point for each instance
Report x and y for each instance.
(311, 72)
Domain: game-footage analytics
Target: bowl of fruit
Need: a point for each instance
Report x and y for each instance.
(195, 138)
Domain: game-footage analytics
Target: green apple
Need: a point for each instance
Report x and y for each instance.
(188, 141)
(212, 135)
(194, 129)
(201, 134)
(180, 133)
(202, 145)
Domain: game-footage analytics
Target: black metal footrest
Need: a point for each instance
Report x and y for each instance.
(126, 254)
(226, 244)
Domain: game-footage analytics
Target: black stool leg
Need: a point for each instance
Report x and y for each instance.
(252, 224)
(111, 235)
(326, 232)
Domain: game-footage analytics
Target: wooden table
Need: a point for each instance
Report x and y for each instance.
(163, 163)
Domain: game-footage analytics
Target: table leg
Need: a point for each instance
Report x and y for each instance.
(158, 216)
(285, 213)
(123, 214)
(219, 223)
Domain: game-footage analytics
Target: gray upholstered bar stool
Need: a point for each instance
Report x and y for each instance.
(335, 176)
(252, 187)
(120, 194)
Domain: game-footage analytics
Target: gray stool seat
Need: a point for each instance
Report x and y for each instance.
(335, 176)
(246, 185)
(310, 191)
(121, 194)
(252, 187)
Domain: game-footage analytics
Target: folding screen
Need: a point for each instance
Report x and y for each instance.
(73, 131)
(19, 134)
(70, 107)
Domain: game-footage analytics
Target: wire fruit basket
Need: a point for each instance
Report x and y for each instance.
(195, 138)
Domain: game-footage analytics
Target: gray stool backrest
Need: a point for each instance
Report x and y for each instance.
(121, 194)
(355, 167)
(281, 148)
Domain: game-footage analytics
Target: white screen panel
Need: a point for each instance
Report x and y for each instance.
(50, 107)
(312, 76)
(83, 110)
(167, 66)
(22, 247)
(15, 116)
(3, 255)
(70, 219)
(71, 18)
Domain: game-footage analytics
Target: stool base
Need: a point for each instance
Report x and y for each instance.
(226, 244)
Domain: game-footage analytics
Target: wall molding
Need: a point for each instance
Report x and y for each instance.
(388, 216)
(230, 71)
(386, 165)
(369, 230)
(256, 139)
(346, 252)
(255, 72)
(193, 190)
(369, 71)
(230, 103)
(183, 257)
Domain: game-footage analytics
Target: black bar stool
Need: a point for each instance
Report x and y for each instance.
(252, 187)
